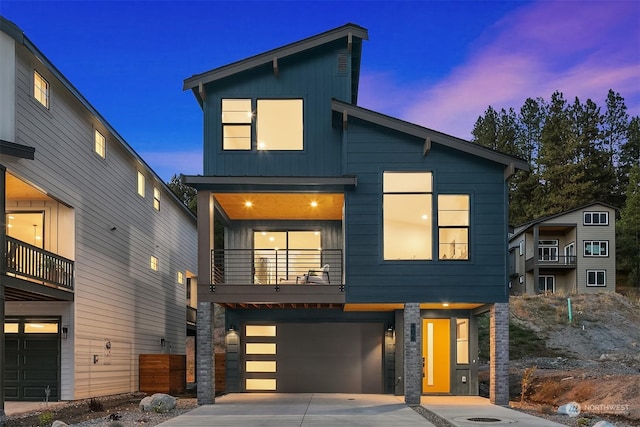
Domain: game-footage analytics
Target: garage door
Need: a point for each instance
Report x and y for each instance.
(316, 358)
(32, 355)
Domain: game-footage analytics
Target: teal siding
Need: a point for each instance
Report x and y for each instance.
(372, 150)
(312, 76)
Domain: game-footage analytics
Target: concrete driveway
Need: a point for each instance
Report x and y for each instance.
(302, 410)
(344, 410)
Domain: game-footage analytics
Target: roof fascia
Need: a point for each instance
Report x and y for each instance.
(18, 35)
(17, 150)
(428, 135)
(271, 183)
(254, 61)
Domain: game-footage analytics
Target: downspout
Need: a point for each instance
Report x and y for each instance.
(3, 265)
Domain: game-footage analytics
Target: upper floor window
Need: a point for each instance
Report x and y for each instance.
(236, 124)
(40, 89)
(596, 248)
(156, 198)
(279, 124)
(140, 184)
(407, 217)
(453, 226)
(153, 263)
(596, 278)
(180, 278)
(100, 144)
(596, 218)
(547, 250)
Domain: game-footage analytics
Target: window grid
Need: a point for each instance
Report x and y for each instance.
(100, 145)
(453, 226)
(180, 277)
(237, 117)
(596, 278)
(41, 89)
(596, 218)
(153, 263)
(547, 284)
(596, 248)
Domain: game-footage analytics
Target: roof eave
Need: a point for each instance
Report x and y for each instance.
(428, 134)
(281, 52)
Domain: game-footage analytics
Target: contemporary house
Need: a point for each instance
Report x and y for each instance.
(96, 250)
(359, 249)
(570, 252)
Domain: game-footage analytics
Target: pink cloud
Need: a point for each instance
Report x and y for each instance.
(579, 48)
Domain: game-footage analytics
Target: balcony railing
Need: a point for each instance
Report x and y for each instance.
(560, 261)
(275, 267)
(30, 262)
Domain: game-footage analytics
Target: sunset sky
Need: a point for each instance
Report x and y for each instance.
(439, 64)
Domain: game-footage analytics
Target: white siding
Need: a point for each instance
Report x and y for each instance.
(7, 88)
(117, 296)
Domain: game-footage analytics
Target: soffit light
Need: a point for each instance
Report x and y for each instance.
(248, 204)
(314, 204)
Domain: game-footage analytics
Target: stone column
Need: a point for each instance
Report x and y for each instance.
(204, 354)
(499, 354)
(412, 336)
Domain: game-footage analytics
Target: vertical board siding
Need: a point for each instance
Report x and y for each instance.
(310, 76)
(371, 151)
(117, 295)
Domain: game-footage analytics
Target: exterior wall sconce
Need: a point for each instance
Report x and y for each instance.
(163, 342)
(65, 332)
(232, 328)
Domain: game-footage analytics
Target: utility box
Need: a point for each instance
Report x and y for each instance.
(163, 373)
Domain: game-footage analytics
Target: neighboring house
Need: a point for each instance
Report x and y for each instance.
(570, 252)
(359, 249)
(96, 249)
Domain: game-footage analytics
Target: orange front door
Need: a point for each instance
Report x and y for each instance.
(436, 353)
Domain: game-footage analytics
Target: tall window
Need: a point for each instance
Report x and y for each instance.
(100, 144)
(40, 89)
(156, 198)
(407, 218)
(453, 226)
(279, 124)
(236, 124)
(462, 341)
(140, 184)
(596, 278)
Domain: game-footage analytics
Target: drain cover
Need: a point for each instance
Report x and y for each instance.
(484, 420)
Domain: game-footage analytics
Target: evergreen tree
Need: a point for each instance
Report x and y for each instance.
(629, 154)
(562, 178)
(184, 193)
(485, 130)
(628, 230)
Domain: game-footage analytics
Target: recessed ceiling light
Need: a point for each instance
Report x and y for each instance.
(445, 304)
(248, 204)
(314, 204)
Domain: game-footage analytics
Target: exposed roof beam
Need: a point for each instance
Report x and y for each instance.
(427, 146)
(275, 66)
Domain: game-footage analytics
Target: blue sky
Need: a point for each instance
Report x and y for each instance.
(436, 63)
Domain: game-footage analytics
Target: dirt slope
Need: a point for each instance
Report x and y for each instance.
(599, 366)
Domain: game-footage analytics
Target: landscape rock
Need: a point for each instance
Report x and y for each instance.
(58, 423)
(603, 424)
(158, 402)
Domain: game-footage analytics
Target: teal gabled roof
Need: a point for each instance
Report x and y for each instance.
(353, 34)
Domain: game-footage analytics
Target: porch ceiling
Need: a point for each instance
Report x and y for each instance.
(20, 190)
(281, 206)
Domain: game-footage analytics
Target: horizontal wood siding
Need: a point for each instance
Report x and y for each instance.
(117, 295)
(163, 373)
(310, 76)
(370, 151)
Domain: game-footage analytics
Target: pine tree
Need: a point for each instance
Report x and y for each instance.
(629, 154)
(628, 230)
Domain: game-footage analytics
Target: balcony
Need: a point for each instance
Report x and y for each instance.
(28, 262)
(275, 276)
(552, 262)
